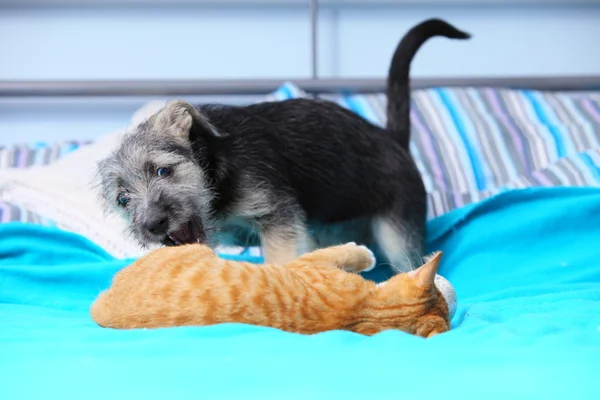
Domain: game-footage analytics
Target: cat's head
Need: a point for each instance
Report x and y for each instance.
(413, 302)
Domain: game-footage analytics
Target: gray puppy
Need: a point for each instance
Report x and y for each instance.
(292, 175)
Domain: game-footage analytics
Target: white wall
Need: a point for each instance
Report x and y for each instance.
(187, 41)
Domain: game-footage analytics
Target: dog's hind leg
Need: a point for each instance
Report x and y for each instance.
(401, 240)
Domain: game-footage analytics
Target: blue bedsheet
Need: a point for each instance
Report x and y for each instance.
(525, 265)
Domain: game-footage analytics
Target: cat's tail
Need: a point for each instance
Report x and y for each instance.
(398, 84)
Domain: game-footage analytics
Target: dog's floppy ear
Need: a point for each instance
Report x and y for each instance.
(177, 118)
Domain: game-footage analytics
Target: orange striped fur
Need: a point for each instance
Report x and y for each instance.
(320, 291)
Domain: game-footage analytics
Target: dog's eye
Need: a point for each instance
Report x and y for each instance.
(163, 172)
(122, 199)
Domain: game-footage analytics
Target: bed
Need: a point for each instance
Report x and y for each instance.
(512, 172)
(513, 182)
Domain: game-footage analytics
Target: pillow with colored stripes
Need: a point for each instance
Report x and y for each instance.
(470, 142)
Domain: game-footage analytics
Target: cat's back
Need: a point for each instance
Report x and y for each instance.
(155, 289)
(190, 285)
(165, 266)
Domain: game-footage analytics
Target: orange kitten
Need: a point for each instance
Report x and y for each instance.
(191, 285)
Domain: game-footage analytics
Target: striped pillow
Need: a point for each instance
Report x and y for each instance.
(470, 143)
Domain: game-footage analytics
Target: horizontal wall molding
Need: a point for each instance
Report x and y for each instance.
(262, 86)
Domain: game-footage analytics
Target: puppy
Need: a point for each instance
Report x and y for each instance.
(292, 175)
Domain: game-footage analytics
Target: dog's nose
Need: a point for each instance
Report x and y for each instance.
(157, 224)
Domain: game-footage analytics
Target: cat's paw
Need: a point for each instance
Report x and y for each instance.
(358, 258)
(372, 261)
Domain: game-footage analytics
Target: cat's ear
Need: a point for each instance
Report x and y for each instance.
(424, 276)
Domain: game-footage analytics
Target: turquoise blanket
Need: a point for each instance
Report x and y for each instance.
(525, 265)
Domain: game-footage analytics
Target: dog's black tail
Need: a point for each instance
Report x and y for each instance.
(398, 84)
